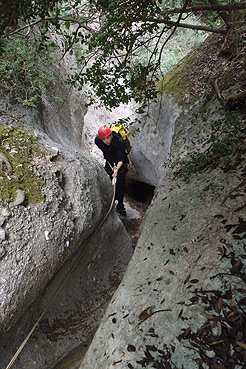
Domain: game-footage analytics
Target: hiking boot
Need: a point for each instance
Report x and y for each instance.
(121, 209)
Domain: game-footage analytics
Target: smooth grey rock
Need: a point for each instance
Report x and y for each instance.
(2, 220)
(151, 146)
(2, 234)
(5, 212)
(179, 252)
(20, 198)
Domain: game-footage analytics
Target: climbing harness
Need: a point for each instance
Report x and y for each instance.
(63, 282)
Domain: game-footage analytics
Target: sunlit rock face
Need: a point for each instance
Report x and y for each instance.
(151, 146)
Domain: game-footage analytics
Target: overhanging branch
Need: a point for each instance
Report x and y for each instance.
(186, 25)
(228, 7)
(72, 20)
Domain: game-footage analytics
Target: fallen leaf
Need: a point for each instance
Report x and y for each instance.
(236, 237)
(187, 279)
(221, 250)
(180, 313)
(220, 304)
(117, 362)
(208, 316)
(219, 328)
(194, 280)
(187, 331)
(216, 342)
(148, 354)
(241, 290)
(235, 268)
(146, 313)
(151, 348)
(241, 344)
(194, 299)
(242, 301)
(131, 348)
(198, 361)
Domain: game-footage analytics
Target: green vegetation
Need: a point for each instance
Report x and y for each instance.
(224, 141)
(20, 148)
(121, 45)
(176, 82)
(24, 69)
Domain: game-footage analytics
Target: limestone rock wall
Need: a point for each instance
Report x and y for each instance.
(42, 240)
(40, 237)
(151, 146)
(63, 107)
(187, 274)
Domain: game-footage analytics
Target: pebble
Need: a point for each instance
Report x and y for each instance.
(46, 235)
(2, 234)
(20, 198)
(2, 220)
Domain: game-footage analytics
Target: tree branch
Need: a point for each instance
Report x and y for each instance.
(218, 94)
(186, 25)
(218, 7)
(232, 100)
(223, 13)
(81, 24)
(237, 99)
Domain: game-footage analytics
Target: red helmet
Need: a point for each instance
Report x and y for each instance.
(104, 131)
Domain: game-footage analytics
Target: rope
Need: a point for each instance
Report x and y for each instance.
(62, 283)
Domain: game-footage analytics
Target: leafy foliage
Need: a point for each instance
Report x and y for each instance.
(20, 148)
(120, 44)
(23, 69)
(12, 11)
(125, 48)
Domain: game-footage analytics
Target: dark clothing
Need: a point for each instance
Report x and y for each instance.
(114, 153)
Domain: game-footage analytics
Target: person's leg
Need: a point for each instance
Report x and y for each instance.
(120, 190)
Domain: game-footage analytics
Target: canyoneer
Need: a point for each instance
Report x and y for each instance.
(113, 148)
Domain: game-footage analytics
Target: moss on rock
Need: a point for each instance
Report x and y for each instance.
(21, 149)
(176, 82)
